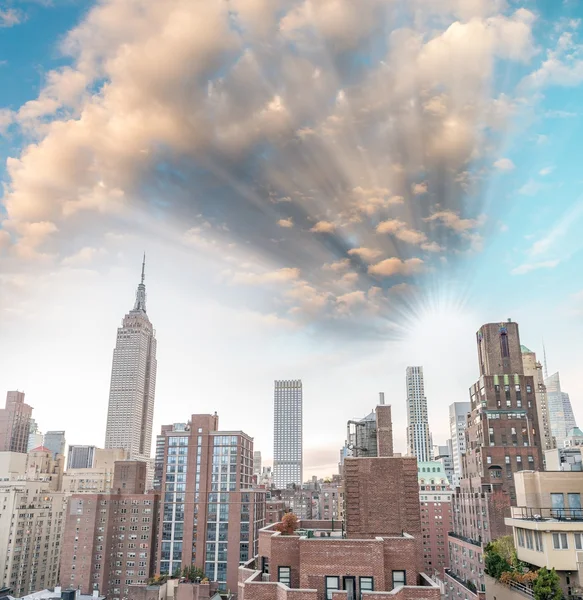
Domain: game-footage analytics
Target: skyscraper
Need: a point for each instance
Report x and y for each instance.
(502, 437)
(133, 382)
(418, 436)
(55, 442)
(458, 416)
(287, 438)
(15, 423)
(533, 367)
(561, 416)
(81, 457)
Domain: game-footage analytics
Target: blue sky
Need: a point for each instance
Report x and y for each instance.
(321, 193)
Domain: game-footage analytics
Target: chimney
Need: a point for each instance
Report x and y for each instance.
(381, 397)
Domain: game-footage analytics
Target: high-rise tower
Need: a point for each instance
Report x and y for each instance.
(561, 417)
(133, 382)
(15, 421)
(501, 438)
(287, 439)
(418, 436)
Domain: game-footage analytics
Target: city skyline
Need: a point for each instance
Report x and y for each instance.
(332, 196)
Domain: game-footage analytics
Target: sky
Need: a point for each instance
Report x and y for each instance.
(324, 190)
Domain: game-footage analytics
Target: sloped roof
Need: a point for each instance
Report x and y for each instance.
(41, 449)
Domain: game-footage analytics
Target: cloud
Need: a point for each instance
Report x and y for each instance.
(196, 122)
(9, 17)
(528, 267)
(284, 275)
(563, 65)
(366, 254)
(323, 227)
(396, 266)
(546, 171)
(6, 119)
(83, 257)
(504, 164)
(453, 221)
(287, 223)
(530, 188)
(419, 188)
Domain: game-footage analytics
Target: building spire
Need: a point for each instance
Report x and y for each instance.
(545, 361)
(140, 304)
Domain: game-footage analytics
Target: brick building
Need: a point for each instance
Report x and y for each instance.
(211, 516)
(274, 510)
(15, 422)
(501, 438)
(377, 550)
(109, 539)
(435, 495)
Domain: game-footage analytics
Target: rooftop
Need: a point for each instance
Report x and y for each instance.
(538, 513)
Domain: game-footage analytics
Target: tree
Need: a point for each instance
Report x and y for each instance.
(495, 564)
(193, 573)
(289, 524)
(547, 585)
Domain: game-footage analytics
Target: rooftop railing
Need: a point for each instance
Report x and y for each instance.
(547, 514)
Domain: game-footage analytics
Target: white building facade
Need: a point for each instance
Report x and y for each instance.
(287, 439)
(133, 383)
(419, 442)
(458, 412)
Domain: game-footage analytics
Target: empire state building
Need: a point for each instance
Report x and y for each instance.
(133, 382)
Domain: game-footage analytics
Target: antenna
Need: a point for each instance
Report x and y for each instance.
(545, 360)
(144, 268)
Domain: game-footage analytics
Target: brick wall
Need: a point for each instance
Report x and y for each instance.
(384, 430)
(381, 497)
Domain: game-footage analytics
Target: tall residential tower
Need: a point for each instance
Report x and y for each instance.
(418, 436)
(561, 417)
(133, 383)
(15, 421)
(287, 439)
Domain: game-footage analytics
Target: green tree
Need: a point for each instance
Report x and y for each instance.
(547, 585)
(495, 564)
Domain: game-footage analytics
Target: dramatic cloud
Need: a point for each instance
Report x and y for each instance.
(250, 131)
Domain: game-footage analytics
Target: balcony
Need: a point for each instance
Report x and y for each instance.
(468, 585)
(559, 515)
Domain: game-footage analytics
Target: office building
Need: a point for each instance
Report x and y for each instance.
(435, 496)
(55, 442)
(287, 437)
(561, 416)
(458, 421)
(444, 456)
(362, 434)
(378, 549)
(109, 539)
(80, 457)
(547, 524)
(534, 368)
(133, 383)
(257, 466)
(419, 442)
(210, 515)
(502, 437)
(15, 420)
(35, 437)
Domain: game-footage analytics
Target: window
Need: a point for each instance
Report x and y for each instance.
(366, 585)
(520, 536)
(332, 585)
(538, 539)
(398, 579)
(284, 575)
(560, 541)
(579, 541)
(575, 505)
(529, 541)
